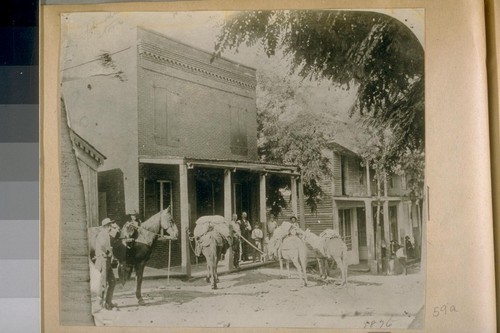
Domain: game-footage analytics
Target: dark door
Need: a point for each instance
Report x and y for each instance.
(241, 199)
(209, 197)
(362, 243)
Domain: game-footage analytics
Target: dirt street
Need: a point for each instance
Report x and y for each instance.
(263, 298)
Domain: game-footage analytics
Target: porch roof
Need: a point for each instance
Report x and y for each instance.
(373, 199)
(225, 164)
(342, 149)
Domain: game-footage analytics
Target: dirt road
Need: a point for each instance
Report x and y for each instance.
(263, 298)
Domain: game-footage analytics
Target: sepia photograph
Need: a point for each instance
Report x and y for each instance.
(243, 169)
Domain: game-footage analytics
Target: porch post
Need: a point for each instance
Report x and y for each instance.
(368, 181)
(403, 221)
(184, 202)
(293, 187)
(228, 209)
(387, 226)
(302, 217)
(370, 235)
(335, 210)
(262, 203)
(409, 214)
(228, 213)
(354, 236)
(335, 215)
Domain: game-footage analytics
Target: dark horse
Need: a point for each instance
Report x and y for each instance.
(140, 250)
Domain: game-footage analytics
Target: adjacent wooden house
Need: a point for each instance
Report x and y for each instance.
(76, 307)
(350, 205)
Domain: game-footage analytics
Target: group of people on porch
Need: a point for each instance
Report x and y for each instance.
(399, 252)
(250, 239)
(247, 238)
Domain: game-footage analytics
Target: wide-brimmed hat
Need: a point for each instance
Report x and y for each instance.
(106, 221)
(293, 217)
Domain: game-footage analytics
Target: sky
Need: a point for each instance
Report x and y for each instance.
(195, 28)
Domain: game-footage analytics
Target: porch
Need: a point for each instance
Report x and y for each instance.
(199, 270)
(197, 187)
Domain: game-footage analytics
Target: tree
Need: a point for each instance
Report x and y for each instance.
(289, 132)
(372, 53)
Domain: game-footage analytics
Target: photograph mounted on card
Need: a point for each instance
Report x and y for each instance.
(259, 168)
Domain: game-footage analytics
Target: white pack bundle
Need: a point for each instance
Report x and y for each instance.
(330, 233)
(216, 222)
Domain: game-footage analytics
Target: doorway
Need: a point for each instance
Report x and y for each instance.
(241, 199)
(362, 241)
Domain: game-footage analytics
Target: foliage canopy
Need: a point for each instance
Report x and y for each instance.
(375, 52)
(371, 53)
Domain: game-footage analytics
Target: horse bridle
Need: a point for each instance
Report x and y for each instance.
(155, 233)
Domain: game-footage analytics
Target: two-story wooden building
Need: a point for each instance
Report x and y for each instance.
(178, 129)
(350, 205)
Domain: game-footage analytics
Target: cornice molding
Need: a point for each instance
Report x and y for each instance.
(195, 66)
(87, 148)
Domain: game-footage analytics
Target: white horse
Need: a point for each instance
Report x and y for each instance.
(327, 248)
(293, 249)
(286, 245)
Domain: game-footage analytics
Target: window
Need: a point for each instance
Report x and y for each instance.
(157, 196)
(238, 130)
(164, 197)
(393, 221)
(360, 213)
(237, 198)
(166, 110)
(345, 227)
(343, 173)
(403, 181)
(361, 171)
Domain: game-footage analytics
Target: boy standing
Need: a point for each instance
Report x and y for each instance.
(257, 237)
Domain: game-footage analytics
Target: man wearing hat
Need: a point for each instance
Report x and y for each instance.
(129, 230)
(104, 253)
(294, 222)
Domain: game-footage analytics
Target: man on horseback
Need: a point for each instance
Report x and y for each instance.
(129, 231)
(104, 254)
(129, 234)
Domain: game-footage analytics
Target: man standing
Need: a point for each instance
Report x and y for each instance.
(409, 247)
(104, 253)
(235, 224)
(257, 237)
(246, 229)
(402, 258)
